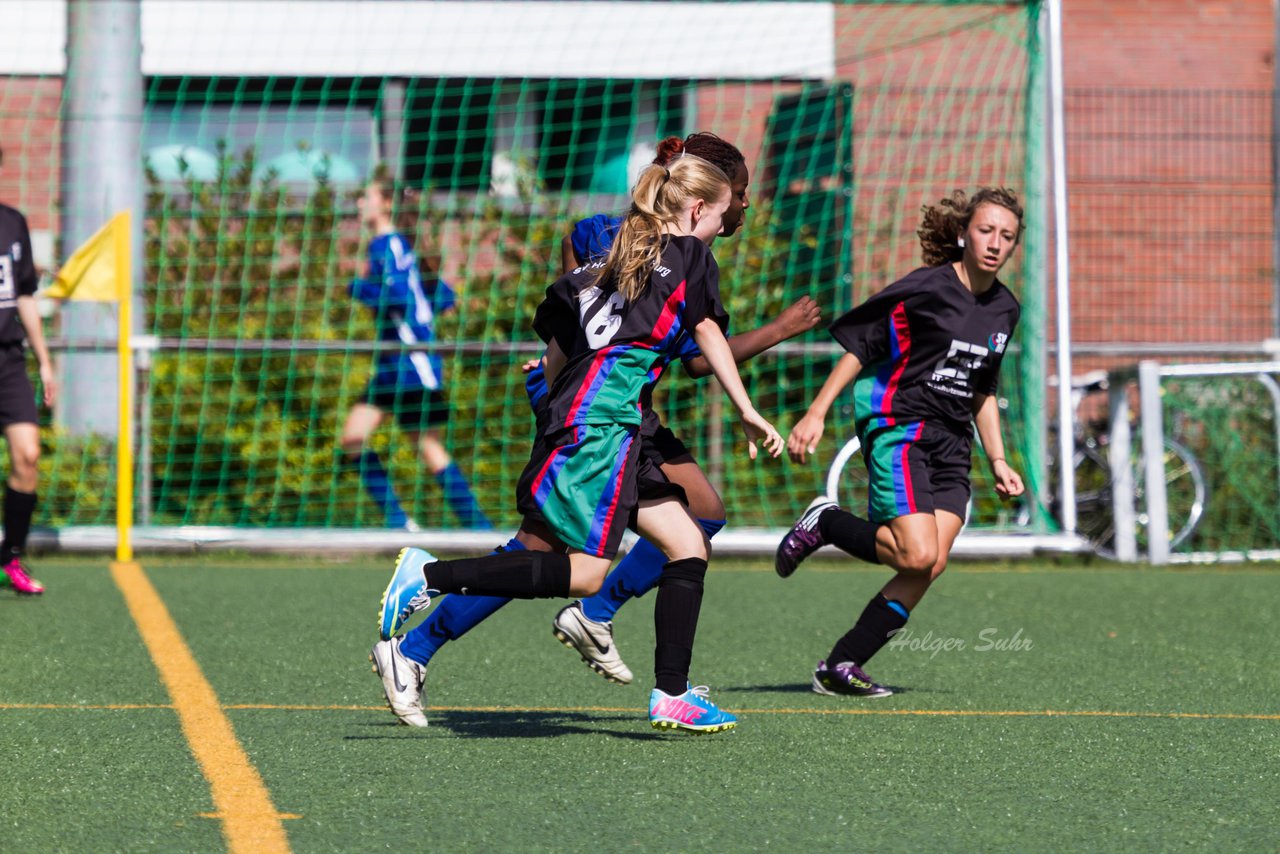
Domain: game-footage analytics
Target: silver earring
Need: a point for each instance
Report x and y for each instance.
(960, 242)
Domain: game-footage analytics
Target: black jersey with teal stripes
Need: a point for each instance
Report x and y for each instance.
(927, 344)
(17, 272)
(617, 349)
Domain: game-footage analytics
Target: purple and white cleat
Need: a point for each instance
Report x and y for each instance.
(846, 679)
(803, 539)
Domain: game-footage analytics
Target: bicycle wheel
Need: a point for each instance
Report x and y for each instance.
(1185, 496)
(1184, 491)
(1094, 519)
(847, 478)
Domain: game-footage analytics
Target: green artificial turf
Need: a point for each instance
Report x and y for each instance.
(530, 750)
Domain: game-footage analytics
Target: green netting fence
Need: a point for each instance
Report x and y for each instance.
(251, 236)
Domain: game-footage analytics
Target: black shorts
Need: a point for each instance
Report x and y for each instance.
(667, 446)
(915, 467)
(17, 396)
(415, 409)
(660, 437)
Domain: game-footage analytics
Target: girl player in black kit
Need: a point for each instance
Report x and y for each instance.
(924, 356)
(18, 416)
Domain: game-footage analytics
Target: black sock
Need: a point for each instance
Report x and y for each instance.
(675, 621)
(852, 533)
(18, 508)
(519, 575)
(880, 620)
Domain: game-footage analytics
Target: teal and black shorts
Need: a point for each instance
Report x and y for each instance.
(914, 467)
(585, 483)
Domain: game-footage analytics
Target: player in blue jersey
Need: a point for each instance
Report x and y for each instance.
(611, 329)
(924, 355)
(586, 626)
(408, 384)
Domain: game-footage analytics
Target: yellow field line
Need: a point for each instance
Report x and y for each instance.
(88, 707)
(250, 821)
(935, 713)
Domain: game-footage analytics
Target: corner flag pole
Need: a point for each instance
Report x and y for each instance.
(124, 440)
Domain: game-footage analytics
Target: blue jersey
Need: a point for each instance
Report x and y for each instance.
(592, 237)
(405, 311)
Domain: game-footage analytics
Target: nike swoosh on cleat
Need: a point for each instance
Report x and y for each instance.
(395, 676)
(586, 631)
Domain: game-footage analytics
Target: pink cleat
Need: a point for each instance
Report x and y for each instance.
(22, 583)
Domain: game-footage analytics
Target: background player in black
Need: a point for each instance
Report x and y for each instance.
(18, 416)
(926, 355)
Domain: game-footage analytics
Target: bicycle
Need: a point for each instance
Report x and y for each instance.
(1185, 488)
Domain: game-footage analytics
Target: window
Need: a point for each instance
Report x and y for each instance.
(300, 127)
(508, 136)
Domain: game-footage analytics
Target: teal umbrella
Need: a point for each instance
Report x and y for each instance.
(307, 166)
(182, 163)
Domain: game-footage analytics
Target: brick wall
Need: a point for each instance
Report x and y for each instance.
(1170, 200)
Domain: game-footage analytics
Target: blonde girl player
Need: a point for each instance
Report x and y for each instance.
(611, 329)
(408, 384)
(20, 318)
(924, 356)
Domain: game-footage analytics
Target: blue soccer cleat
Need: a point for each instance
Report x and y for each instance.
(406, 593)
(690, 711)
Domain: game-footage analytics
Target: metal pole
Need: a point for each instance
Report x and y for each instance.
(144, 346)
(1062, 278)
(1122, 472)
(101, 176)
(391, 127)
(1157, 509)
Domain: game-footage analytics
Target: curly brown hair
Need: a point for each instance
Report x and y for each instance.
(943, 223)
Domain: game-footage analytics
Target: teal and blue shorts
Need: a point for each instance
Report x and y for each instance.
(586, 482)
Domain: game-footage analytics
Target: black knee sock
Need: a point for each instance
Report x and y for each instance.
(852, 533)
(878, 623)
(519, 575)
(675, 621)
(18, 507)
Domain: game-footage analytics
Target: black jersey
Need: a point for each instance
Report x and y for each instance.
(926, 344)
(17, 272)
(618, 350)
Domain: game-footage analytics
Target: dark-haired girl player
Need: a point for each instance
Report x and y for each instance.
(924, 355)
(20, 318)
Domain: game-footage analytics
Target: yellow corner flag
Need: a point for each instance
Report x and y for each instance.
(101, 271)
(93, 272)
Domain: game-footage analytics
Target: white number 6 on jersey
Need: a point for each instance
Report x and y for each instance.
(600, 325)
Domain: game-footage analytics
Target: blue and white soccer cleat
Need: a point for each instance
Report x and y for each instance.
(406, 593)
(691, 711)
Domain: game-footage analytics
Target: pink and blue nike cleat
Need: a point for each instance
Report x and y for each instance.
(691, 711)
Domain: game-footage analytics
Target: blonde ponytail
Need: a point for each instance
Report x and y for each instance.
(659, 197)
